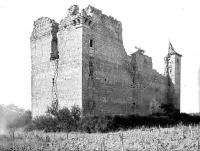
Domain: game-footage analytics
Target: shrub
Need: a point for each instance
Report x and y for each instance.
(76, 113)
(58, 120)
(70, 120)
(46, 123)
(65, 120)
(93, 123)
(76, 117)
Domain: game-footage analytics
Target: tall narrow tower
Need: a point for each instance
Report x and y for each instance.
(44, 52)
(173, 72)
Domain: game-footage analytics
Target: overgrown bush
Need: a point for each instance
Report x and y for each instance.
(58, 120)
(70, 120)
(93, 123)
(46, 123)
(67, 120)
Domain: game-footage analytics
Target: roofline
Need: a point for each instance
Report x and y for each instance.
(175, 53)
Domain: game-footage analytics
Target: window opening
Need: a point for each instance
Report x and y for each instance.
(91, 43)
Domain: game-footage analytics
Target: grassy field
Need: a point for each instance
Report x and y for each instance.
(179, 138)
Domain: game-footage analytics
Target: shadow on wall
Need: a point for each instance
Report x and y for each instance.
(199, 86)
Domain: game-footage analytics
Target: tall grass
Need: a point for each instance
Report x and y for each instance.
(179, 137)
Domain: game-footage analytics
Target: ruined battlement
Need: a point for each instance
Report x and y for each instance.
(90, 17)
(76, 18)
(92, 11)
(44, 26)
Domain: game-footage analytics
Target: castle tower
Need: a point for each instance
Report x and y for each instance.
(92, 44)
(71, 45)
(69, 61)
(173, 72)
(102, 63)
(44, 52)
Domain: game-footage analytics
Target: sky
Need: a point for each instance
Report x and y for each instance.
(146, 24)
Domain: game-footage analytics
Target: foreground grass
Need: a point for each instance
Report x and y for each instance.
(182, 138)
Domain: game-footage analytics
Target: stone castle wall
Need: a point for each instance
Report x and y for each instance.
(94, 70)
(107, 85)
(42, 68)
(70, 66)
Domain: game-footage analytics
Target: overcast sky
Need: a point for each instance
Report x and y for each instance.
(146, 24)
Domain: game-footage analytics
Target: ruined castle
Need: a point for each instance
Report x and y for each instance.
(82, 61)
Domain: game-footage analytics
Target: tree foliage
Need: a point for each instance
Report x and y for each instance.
(14, 117)
(58, 119)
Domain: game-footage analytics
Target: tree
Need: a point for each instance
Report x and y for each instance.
(14, 117)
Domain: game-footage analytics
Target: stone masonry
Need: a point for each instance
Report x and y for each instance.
(82, 61)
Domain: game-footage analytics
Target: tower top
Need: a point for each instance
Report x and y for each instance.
(171, 50)
(44, 26)
(87, 17)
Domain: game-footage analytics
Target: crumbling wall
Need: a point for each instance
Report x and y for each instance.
(42, 72)
(151, 90)
(113, 82)
(149, 87)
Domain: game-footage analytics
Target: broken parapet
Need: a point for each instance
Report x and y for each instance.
(44, 26)
(88, 17)
(76, 18)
